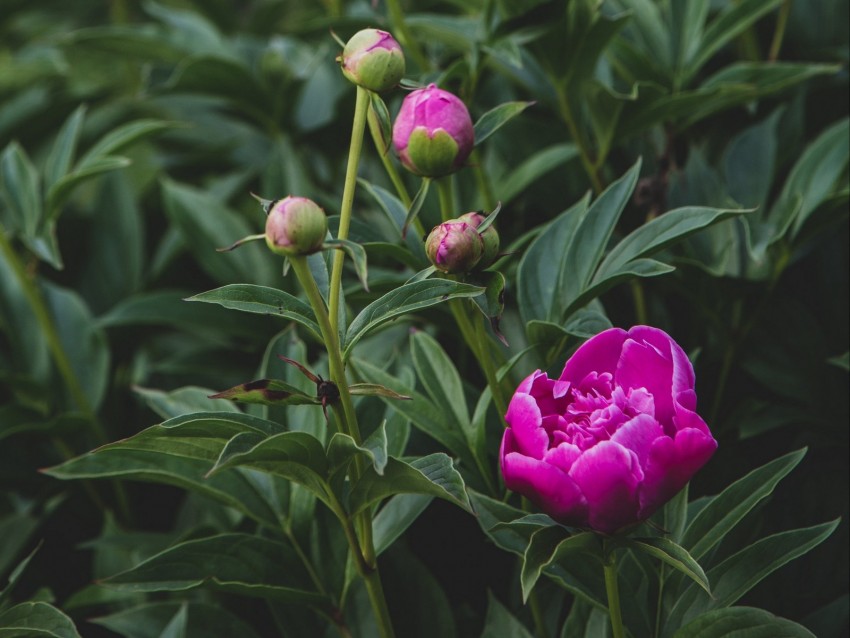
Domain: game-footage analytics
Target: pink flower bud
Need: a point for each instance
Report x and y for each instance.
(433, 133)
(454, 247)
(295, 226)
(373, 59)
(490, 238)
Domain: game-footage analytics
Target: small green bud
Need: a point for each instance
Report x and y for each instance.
(373, 59)
(490, 237)
(295, 226)
(454, 247)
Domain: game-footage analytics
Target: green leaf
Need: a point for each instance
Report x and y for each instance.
(267, 392)
(342, 449)
(375, 390)
(733, 20)
(549, 545)
(150, 619)
(36, 620)
(21, 189)
(119, 139)
(433, 474)
(177, 626)
(659, 233)
(62, 189)
(397, 514)
(442, 382)
(403, 300)
(295, 456)
(62, 152)
(357, 254)
(264, 301)
(532, 169)
(674, 555)
(496, 118)
(236, 563)
(501, 623)
(742, 621)
(492, 302)
(416, 205)
(422, 413)
(205, 224)
(841, 361)
(183, 401)
(726, 510)
(739, 573)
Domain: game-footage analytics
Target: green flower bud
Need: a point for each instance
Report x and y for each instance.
(295, 226)
(373, 59)
(490, 237)
(454, 247)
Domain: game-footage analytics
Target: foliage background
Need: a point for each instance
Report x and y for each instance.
(212, 100)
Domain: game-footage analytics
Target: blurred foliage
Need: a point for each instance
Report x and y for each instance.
(131, 135)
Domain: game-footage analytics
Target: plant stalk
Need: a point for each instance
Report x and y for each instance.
(613, 592)
(591, 167)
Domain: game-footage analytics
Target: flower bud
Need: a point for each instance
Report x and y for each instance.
(454, 247)
(433, 133)
(373, 59)
(295, 226)
(490, 237)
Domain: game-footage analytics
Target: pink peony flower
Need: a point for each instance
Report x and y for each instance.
(433, 133)
(613, 438)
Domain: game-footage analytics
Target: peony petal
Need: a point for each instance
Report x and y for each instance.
(598, 354)
(563, 456)
(672, 463)
(638, 436)
(643, 366)
(545, 485)
(525, 422)
(683, 371)
(609, 476)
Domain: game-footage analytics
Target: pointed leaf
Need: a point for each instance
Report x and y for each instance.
(267, 392)
(726, 510)
(342, 449)
(549, 545)
(501, 623)
(496, 118)
(397, 514)
(438, 374)
(492, 302)
(58, 163)
(434, 474)
(237, 563)
(36, 620)
(149, 620)
(358, 257)
(742, 621)
(416, 205)
(62, 189)
(674, 555)
(403, 300)
(119, 139)
(376, 390)
(183, 401)
(532, 169)
(20, 182)
(262, 300)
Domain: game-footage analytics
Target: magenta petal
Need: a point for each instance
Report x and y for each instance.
(672, 463)
(643, 366)
(638, 435)
(609, 475)
(545, 485)
(597, 354)
(525, 423)
(563, 456)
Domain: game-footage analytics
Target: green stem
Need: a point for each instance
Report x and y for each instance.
(483, 181)
(379, 603)
(659, 605)
(613, 592)
(384, 152)
(779, 34)
(590, 167)
(447, 200)
(48, 329)
(639, 301)
(357, 128)
(406, 39)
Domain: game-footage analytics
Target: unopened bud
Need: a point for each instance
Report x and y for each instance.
(373, 59)
(490, 237)
(454, 247)
(295, 226)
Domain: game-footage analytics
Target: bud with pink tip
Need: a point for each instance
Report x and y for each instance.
(454, 247)
(295, 226)
(373, 59)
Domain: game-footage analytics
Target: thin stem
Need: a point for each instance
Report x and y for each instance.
(48, 329)
(639, 301)
(613, 592)
(410, 44)
(447, 200)
(779, 34)
(659, 606)
(379, 603)
(361, 107)
(537, 614)
(590, 167)
(483, 181)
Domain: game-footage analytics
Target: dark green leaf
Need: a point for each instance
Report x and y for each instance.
(375, 390)
(434, 474)
(726, 510)
(183, 401)
(549, 545)
(492, 301)
(262, 300)
(416, 205)
(61, 190)
(742, 621)
(119, 139)
(438, 374)
(501, 623)
(237, 563)
(397, 514)
(532, 169)
(342, 449)
(496, 118)
(357, 254)
(148, 621)
(672, 554)
(61, 156)
(21, 188)
(403, 300)
(36, 620)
